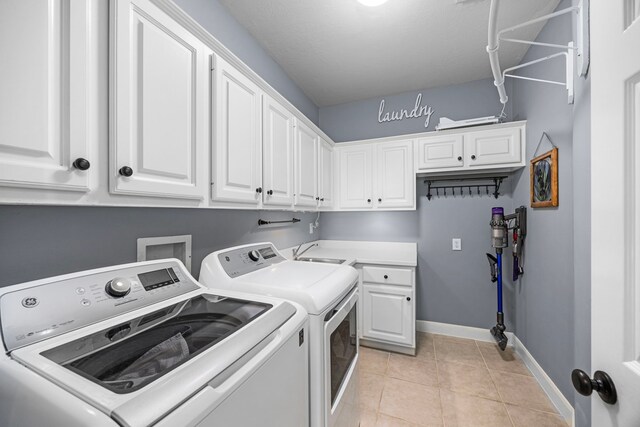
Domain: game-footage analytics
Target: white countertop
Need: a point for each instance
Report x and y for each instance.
(359, 252)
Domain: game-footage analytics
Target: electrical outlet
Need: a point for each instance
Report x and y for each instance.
(456, 244)
(310, 228)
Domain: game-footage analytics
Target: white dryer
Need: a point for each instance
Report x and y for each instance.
(329, 293)
(144, 344)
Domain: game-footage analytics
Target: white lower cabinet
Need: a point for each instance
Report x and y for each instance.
(388, 308)
(44, 95)
(159, 104)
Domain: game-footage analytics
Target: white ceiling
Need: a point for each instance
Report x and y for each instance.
(339, 50)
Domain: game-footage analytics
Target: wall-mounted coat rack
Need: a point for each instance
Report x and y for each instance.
(579, 47)
(263, 222)
(479, 186)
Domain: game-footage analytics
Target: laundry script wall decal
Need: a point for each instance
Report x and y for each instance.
(418, 110)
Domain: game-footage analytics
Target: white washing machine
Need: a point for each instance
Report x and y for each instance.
(144, 344)
(329, 294)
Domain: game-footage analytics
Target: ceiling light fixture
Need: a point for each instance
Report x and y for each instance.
(372, 3)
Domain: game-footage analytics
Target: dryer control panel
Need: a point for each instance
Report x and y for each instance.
(238, 262)
(54, 306)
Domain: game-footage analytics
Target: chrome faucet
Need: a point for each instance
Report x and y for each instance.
(297, 253)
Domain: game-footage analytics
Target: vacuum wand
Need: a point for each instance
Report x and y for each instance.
(500, 240)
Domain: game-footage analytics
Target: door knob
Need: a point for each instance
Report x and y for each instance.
(317, 198)
(322, 199)
(408, 298)
(259, 190)
(379, 200)
(473, 157)
(459, 158)
(81, 164)
(601, 382)
(125, 171)
(270, 192)
(368, 200)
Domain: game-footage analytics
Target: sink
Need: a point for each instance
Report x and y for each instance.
(322, 260)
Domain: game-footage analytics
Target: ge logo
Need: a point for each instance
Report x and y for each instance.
(30, 302)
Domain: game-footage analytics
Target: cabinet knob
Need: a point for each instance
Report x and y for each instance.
(259, 190)
(379, 200)
(368, 200)
(408, 298)
(317, 198)
(459, 158)
(322, 199)
(125, 171)
(270, 192)
(386, 277)
(473, 157)
(81, 164)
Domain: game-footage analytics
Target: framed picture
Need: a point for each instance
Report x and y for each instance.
(544, 180)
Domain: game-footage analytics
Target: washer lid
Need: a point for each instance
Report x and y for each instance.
(165, 356)
(314, 286)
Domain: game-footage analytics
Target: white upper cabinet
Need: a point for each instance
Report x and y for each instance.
(159, 104)
(237, 157)
(395, 186)
(376, 175)
(277, 154)
(490, 148)
(355, 176)
(440, 152)
(44, 106)
(493, 147)
(306, 166)
(325, 174)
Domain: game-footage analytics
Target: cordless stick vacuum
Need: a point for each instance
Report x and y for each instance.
(500, 240)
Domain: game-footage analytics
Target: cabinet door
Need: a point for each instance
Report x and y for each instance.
(325, 178)
(440, 152)
(493, 147)
(306, 166)
(237, 174)
(277, 151)
(159, 86)
(44, 106)
(395, 175)
(388, 313)
(355, 176)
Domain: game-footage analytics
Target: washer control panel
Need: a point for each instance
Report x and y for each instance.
(52, 308)
(238, 262)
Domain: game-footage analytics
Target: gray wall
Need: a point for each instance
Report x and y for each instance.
(359, 120)
(452, 287)
(549, 308)
(216, 19)
(553, 300)
(44, 241)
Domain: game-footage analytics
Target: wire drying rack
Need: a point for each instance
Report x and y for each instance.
(479, 186)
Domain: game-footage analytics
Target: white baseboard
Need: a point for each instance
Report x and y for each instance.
(553, 392)
(459, 331)
(479, 334)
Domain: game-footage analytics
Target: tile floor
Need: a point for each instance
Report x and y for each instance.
(451, 382)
